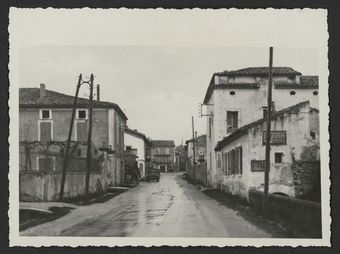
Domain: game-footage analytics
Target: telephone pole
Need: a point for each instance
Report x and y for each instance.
(193, 145)
(68, 142)
(268, 137)
(63, 176)
(89, 142)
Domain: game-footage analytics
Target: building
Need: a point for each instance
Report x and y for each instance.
(44, 122)
(237, 98)
(200, 143)
(139, 141)
(294, 155)
(180, 158)
(163, 155)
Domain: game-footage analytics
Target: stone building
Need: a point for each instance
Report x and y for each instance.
(200, 143)
(240, 156)
(163, 155)
(237, 98)
(44, 122)
(139, 141)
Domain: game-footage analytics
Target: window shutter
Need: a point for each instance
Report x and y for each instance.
(241, 160)
(45, 131)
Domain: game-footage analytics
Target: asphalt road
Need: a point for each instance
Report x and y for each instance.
(169, 208)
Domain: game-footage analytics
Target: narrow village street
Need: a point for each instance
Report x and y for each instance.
(169, 208)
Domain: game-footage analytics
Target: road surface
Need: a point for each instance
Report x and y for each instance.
(169, 208)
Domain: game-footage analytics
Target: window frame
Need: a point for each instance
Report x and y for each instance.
(282, 155)
(42, 157)
(86, 114)
(238, 119)
(39, 128)
(41, 114)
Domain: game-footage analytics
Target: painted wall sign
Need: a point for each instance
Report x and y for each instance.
(276, 137)
(257, 165)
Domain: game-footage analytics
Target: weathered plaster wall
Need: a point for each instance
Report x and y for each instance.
(138, 143)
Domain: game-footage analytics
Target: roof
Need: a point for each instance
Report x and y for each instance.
(305, 82)
(30, 98)
(262, 71)
(244, 129)
(200, 140)
(163, 143)
(136, 133)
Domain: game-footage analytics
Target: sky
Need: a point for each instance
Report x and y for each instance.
(155, 64)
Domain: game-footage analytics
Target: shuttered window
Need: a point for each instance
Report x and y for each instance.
(46, 164)
(45, 131)
(233, 161)
(82, 131)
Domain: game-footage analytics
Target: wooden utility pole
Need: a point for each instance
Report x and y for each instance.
(193, 145)
(63, 176)
(89, 141)
(268, 137)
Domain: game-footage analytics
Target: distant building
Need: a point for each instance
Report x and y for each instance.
(139, 141)
(200, 143)
(44, 122)
(163, 155)
(237, 98)
(181, 157)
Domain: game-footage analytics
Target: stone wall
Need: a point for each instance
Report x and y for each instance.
(200, 174)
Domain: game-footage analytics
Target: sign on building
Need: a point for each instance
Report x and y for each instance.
(257, 165)
(276, 137)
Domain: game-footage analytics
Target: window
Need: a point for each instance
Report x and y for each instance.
(315, 93)
(45, 114)
(210, 127)
(45, 131)
(233, 161)
(81, 114)
(232, 92)
(81, 131)
(313, 134)
(232, 121)
(292, 92)
(278, 158)
(45, 164)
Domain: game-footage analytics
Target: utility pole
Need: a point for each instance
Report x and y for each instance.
(63, 176)
(89, 141)
(268, 137)
(193, 145)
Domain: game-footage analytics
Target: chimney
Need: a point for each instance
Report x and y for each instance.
(216, 80)
(98, 92)
(297, 79)
(42, 90)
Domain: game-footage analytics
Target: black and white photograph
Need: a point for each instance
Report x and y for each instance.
(152, 127)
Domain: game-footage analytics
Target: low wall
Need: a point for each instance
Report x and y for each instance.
(200, 174)
(41, 186)
(301, 217)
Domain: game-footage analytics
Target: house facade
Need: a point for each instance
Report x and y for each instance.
(294, 155)
(237, 98)
(200, 143)
(163, 155)
(44, 122)
(139, 141)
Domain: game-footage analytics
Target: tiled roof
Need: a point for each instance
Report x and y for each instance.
(30, 98)
(244, 129)
(162, 143)
(136, 133)
(262, 71)
(200, 140)
(305, 82)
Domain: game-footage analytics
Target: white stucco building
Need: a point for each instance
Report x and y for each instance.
(237, 98)
(137, 140)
